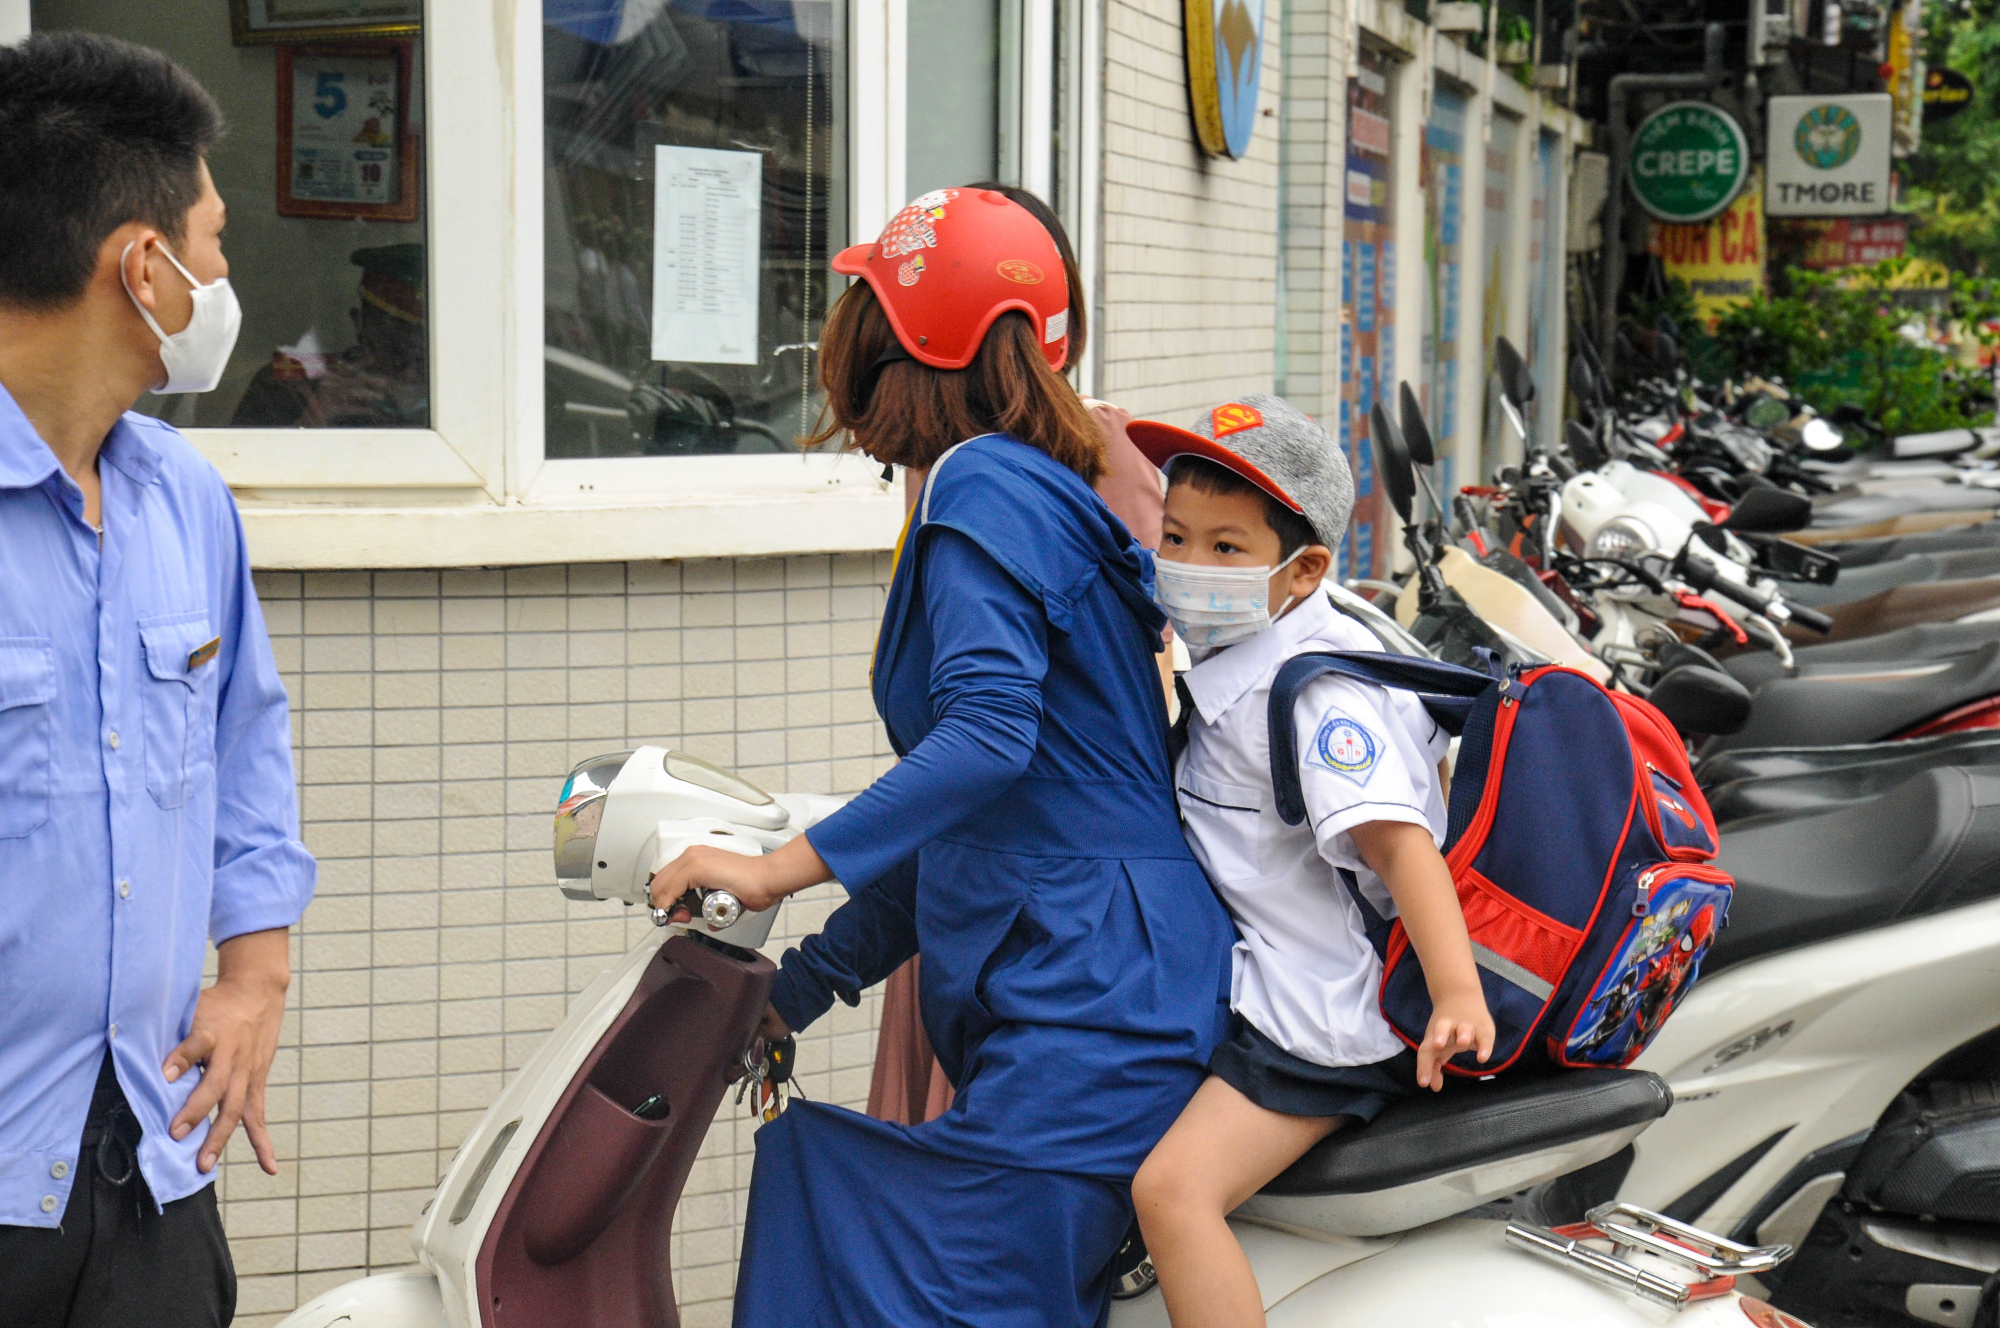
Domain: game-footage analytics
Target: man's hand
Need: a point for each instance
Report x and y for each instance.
(772, 1027)
(233, 1038)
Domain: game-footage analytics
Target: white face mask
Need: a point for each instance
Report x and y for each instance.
(1211, 607)
(196, 355)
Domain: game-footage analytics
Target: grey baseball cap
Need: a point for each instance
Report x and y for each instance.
(1273, 444)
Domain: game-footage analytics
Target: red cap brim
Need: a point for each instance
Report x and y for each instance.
(1161, 443)
(851, 261)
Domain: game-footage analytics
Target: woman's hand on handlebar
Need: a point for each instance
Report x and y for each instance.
(757, 882)
(772, 1027)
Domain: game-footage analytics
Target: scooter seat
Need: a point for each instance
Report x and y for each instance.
(1861, 582)
(1926, 643)
(1740, 775)
(1866, 552)
(1902, 606)
(1930, 844)
(1437, 1154)
(1860, 702)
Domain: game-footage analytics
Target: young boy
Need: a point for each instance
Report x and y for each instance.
(1254, 498)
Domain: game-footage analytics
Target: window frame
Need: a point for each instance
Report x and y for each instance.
(440, 496)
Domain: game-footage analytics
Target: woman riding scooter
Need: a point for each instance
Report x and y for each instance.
(1075, 960)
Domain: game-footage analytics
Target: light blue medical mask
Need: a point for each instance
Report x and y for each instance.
(1211, 607)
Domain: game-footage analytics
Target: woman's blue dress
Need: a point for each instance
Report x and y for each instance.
(1076, 962)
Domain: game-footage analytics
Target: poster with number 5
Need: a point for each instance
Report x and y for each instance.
(345, 143)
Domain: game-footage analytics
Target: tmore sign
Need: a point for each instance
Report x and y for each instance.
(1689, 159)
(1829, 156)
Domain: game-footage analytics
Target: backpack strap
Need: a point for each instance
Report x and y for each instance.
(1447, 691)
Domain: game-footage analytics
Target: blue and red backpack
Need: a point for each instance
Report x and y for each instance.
(1581, 849)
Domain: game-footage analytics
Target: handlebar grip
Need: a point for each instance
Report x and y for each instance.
(1810, 618)
(1753, 600)
(720, 909)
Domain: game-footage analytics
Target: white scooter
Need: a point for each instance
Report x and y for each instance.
(558, 1207)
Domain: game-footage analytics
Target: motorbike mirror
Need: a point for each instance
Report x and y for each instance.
(1416, 430)
(1819, 436)
(1393, 457)
(1583, 446)
(1769, 510)
(1700, 701)
(1582, 382)
(1515, 380)
(1679, 654)
(1666, 351)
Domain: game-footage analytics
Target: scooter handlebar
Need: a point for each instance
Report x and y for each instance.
(1810, 618)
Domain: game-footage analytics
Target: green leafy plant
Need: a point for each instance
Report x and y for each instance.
(1839, 337)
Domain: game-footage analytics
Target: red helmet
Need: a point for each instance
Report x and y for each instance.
(953, 261)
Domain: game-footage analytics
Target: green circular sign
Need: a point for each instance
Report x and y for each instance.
(1827, 137)
(1688, 161)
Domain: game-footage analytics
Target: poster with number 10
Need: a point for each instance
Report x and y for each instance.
(345, 144)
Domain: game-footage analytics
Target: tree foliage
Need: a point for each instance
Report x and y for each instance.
(1953, 182)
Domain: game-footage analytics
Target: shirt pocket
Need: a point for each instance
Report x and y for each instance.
(178, 702)
(27, 692)
(1226, 823)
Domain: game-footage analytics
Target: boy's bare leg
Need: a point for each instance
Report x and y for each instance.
(1221, 1151)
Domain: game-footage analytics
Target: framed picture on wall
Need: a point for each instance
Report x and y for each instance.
(255, 22)
(346, 145)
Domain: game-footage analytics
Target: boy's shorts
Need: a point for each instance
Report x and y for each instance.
(1276, 1080)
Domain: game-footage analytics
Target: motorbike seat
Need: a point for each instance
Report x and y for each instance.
(1930, 844)
(1788, 781)
(1431, 1156)
(1911, 647)
(1861, 582)
(1860, 702)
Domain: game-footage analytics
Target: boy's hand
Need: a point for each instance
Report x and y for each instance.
(1458, 1023)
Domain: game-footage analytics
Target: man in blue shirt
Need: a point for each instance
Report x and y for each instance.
(146, 796)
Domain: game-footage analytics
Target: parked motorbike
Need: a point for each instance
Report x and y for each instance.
(1839, 1061)
(557, 1208)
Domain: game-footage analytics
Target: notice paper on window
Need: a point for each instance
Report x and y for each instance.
(707, 251)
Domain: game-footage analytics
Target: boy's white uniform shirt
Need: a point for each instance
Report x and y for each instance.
(1304, 974)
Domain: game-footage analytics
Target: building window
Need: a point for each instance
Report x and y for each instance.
(694, 188)
(322, 171)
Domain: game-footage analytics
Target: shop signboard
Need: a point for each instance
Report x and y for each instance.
(1368, 299)
(1225, 60)
(1946, 93)
(1829, 156)
(1721, 260)
(1688, 160)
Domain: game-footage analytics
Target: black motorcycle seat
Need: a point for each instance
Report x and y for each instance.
(1472, 1123)
(1913, 646)
(1861, 702)
(1930, 844)
(1865, 552)
(1846, 508)
(1859, 778)
(1861, 582)
(1756, 765)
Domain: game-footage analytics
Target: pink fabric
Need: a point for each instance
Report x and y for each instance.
(908, 1086)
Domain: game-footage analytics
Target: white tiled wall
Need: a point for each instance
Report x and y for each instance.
(1189, 242)
(435, 715)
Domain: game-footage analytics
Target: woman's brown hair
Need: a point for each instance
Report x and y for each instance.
(906, 413)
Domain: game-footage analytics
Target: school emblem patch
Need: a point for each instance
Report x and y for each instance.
(1344, 747)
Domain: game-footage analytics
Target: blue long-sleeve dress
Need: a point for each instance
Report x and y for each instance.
(1076, 962)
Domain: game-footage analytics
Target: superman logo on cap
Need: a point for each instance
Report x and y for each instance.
(1235, 418)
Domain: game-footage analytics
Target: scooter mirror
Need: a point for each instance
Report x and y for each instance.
(1583, 446)
(1582, 381)
(1666, 351)
(1393, 457)
(1700, 701)
(1767, 413)
(1416, 430)
(1515, 380)
(1819, 436)
(1769, 510)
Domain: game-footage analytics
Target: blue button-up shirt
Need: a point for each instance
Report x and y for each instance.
(146, 795)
